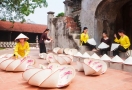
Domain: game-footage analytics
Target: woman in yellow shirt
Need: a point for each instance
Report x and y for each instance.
(22, 48)
(84, 39)
(123, 41)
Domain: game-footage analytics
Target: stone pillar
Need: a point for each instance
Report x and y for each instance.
(50, 26)
(37, 41)
(68, 8)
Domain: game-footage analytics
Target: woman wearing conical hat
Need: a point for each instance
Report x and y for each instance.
(22, 48)
(107, 41)
(84, 39)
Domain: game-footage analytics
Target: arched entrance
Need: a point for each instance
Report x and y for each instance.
(124, 19)
(112, 15)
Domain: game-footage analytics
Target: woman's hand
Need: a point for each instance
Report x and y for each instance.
(115, 36)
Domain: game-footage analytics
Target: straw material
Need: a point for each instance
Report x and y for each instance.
(47, 41)
(61, 59)
(53, 66)
(72, 51)
(92, 67)
(128, 61)
(47, 78)
(95, 56)
(60, 51)
(15, 65)
(66, 50)
(80, 66)
(103, 46)
(91, 41)
(43, 55)
(85, 55)
(114, 46)
(21, 36)
(55, 50)
(105, 58)
(78, 54)
(117, 59)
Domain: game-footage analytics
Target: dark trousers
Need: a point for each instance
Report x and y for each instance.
(104, 51)
(91, 47)
(42, 48)
(120, 48)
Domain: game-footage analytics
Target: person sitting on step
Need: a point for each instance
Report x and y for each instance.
(84, 39)
(123, 41)
(107, 41)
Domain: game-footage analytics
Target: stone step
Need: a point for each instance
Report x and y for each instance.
(75, 36)
(77, 42)
(83, 49)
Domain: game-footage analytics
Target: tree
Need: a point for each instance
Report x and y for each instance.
(60, 14)
(17, 9)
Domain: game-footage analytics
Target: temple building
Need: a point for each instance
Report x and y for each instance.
(9, 31)
(99, 15)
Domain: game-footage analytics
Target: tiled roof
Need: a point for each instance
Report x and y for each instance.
(22, 27)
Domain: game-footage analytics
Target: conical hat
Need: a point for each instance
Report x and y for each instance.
(72, 51)
(60, 51)
(55, 50)
(103, 45)
(117, 59)
(104, 66)
(105, 57)
(92, 41)
(78, 54)
(95, 56)
(114, 46)
(85, 55)
(128, 61)
(21, 36)
(47, 41)
(66, 75)
(66, 50)
(80, 66)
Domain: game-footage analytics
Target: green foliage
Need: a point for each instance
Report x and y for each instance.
(60, 14)
(17, 9)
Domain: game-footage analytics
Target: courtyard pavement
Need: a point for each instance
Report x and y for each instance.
(111, 80)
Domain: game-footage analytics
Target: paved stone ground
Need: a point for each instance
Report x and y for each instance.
(111, 80)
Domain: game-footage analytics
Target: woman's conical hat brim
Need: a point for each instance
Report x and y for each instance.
(21, 36)
(114, 46)
(103, 46)
(91, 41)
